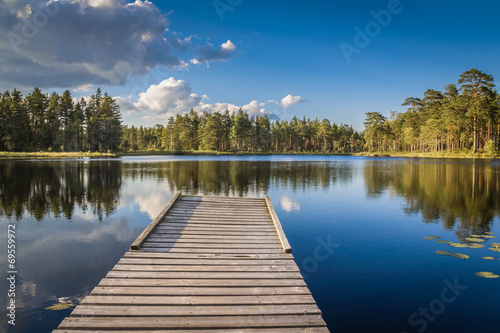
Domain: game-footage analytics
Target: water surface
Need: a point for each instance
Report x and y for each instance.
(356, 226)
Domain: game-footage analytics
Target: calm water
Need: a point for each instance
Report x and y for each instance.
(356, 226)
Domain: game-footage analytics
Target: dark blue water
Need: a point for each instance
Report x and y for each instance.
(356, 226)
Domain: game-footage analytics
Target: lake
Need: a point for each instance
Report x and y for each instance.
(356, 226)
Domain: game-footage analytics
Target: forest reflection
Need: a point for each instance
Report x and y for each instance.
(460, 194)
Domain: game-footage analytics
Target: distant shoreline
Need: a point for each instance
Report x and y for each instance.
(70, 155)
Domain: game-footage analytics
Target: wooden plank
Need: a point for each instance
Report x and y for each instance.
(195, 322)
(279, 229)
(211, 310)
(214, 262)
(198, 300)
(208, 241)
(218, 237)
(202, 232)
(220, 225)
(298, 329)
(152, 226)
(209, 256)
(205, 250)
(204, 275)
(160, 244)
(198, 291)
(132, 282)
(206, 268)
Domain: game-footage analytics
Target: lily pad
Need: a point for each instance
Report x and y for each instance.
(476, 246)
(473, 239)
(459, 256)
(442, 241)
(488, 236)
(488, 258)
(458, 244)
(451, 254)
(489, 233)
(60, 306)
(487, 275)
(432, 237)
(495, 244)
(496, 249)
(476, 236)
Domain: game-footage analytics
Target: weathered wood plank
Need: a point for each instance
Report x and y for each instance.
(206, 268)
(211, 250)
(136, 245)
(209, 256)
(279, 229)
(204, 275)
(180, 245)
(217, 237)
(209, 241)
(211, 310)
(132, 282)
(204, 262)
(198, 291)
(298, 329)
(195, 322)
(198, 300)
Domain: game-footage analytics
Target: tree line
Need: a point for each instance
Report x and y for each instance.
(55, 122)
(465, 116)
(238, 131)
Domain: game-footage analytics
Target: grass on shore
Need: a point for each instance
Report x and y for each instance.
(49, 155)
(442, 154)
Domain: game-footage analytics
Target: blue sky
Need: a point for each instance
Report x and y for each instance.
(164, 57)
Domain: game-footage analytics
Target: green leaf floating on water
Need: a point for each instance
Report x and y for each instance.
(60, 306)
(495, 244)
(489, 233)
(432, 237)
(451, 254)
(487, 275)
(473, 239)
(488, 236)
(442, 241)
(488, 258)
(458, 244)
(496, 249)
(476, 246)
(476, 236)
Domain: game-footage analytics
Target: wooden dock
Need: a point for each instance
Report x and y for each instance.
(213, 264)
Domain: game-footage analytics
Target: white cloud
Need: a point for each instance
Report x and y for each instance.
(290, 100)
(173, 96)
(228, 46)
(84, 87)
(170, 96)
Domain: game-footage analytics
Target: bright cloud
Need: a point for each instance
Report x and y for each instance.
(170, 96)
(290, 100)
